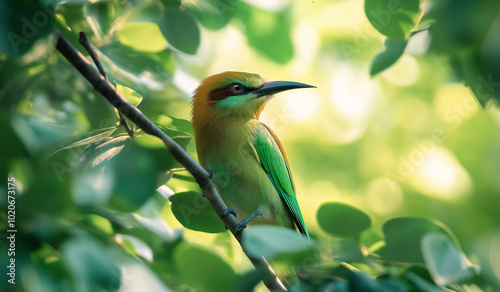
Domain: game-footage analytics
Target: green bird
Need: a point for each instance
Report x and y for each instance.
(249, 164)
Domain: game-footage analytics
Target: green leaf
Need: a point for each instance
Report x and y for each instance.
(50, 272)
(92, 137)
(341, 270)
(360, 282)
(40, 133)
(52, 181)
(342, 220)
(337, 286)
(12, 147)
(90, 265)
(490, 59)
(179, 130)
(371, 237)
(460, 29)
(393, 18)
(249, 281)
(182, 141)
(445, 262)
(213, 14)
(98, 222)
(349, 250)
(103, 150)
(390, 284)
(180, 30)
(171, 4)
(135, 246)
(403, 236)
(194, 212)
(122, 173)
(268, 32)
(203, 270)
(157, 149)
(135, 172)
(100, 15)
(92, 186)
(272, 241)
(479, 67)
(146, 11)
(470, 70)
(160, 64)
(142, 36)
(148, 230)
(394, 49)
(129, 94)
(170, 123)
(422, 284)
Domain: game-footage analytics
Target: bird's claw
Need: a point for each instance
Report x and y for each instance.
(227, 212)
(243, 223)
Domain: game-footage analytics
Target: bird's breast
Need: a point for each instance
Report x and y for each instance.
(238, 173)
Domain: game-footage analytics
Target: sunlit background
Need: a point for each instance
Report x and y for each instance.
(408, 142)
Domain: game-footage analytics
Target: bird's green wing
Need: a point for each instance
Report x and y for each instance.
(273, 159)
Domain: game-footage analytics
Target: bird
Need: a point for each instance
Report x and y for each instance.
(247, 161)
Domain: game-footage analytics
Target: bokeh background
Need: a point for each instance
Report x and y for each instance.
(412, 140)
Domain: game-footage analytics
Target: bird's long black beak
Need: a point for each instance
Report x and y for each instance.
(278, 86)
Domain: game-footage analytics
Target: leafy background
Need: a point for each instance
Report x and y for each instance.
(395, 154)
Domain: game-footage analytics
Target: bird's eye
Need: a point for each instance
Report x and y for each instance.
(236, 87)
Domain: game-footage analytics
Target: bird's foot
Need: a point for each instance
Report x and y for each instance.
(227, 212)
(243, 223)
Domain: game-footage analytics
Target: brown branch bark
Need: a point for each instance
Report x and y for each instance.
(108, 91)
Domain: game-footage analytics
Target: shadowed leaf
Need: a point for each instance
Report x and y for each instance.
(403, 238)
(272, 241)
(180, 30)
(342, 220)
(203, 270)
(394, 19)
(394, 49)
(194, 212)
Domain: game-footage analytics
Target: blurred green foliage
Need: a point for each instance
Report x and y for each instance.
(410, 149)
(465, 32)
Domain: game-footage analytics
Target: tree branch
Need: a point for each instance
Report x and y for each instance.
(103, 86)
(84, 41)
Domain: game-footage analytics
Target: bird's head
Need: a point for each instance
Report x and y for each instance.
(236, 94)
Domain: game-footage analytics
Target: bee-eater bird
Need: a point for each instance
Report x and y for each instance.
(249, 164)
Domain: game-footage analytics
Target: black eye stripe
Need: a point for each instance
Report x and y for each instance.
(219, 94)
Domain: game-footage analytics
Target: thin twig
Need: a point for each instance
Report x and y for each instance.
(103, 86)
(84, 41)
(124, 123)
